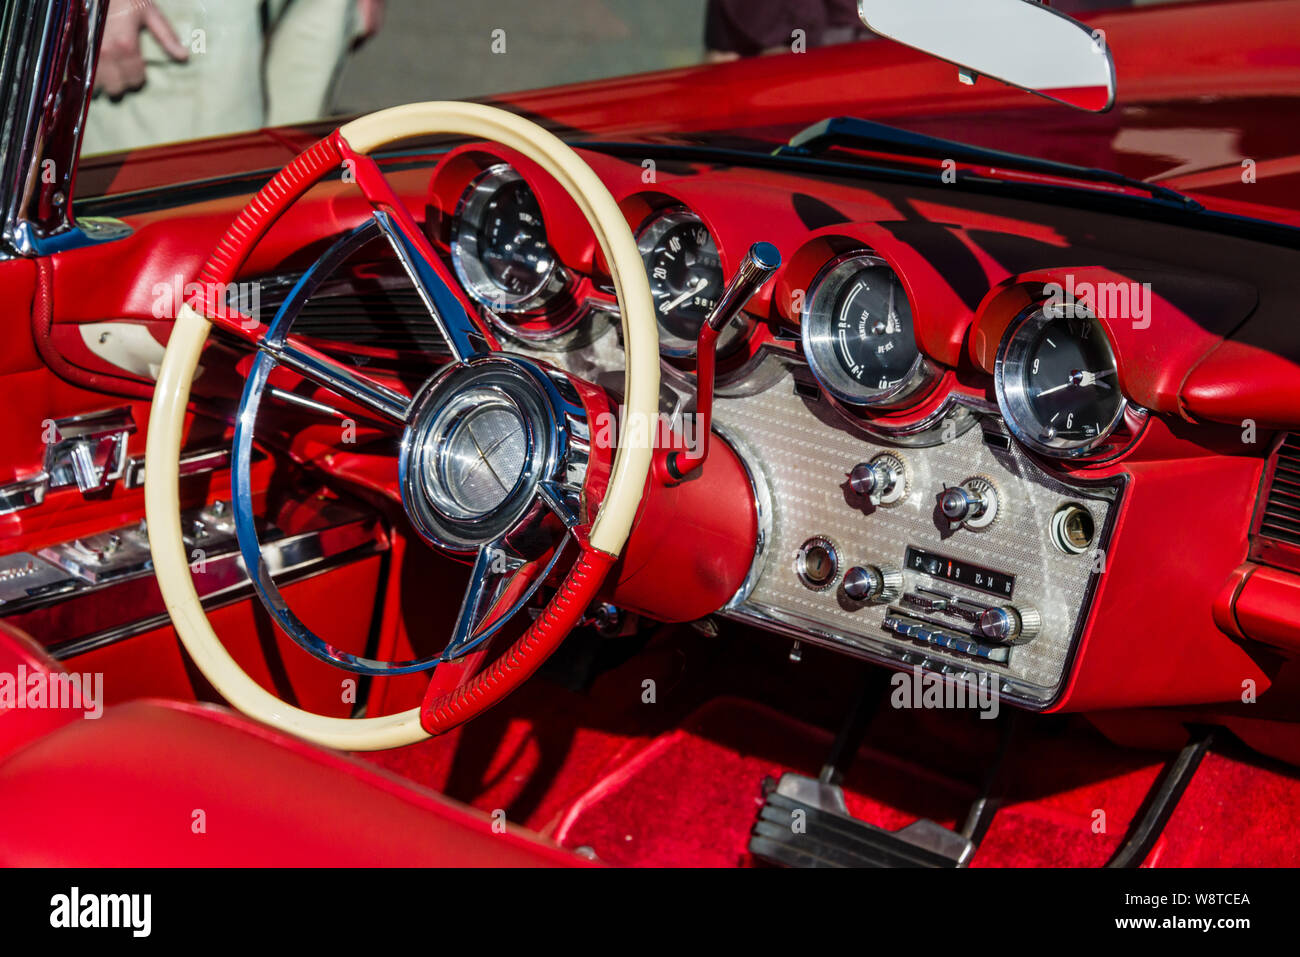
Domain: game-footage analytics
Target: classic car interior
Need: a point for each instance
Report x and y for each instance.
(566, 479)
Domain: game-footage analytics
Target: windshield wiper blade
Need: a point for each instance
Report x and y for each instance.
(852, 132)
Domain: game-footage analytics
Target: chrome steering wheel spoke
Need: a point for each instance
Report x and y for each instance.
(500, 584)
(493, 457)
(275, 347)
(464, 337)
(315, 365)
(466, 332)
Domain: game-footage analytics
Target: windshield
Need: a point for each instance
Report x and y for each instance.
(177, 70)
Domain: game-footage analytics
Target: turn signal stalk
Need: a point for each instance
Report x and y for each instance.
(762, 260)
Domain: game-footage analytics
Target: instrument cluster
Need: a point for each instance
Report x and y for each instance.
(858, 336)
(545, 285)
(848, 316)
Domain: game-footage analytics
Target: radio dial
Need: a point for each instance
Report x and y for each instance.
(873, 583)
(1010, 624)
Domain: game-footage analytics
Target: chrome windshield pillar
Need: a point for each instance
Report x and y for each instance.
(47, 70)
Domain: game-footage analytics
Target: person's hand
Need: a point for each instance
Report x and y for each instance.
(371, 15)
(121, 64)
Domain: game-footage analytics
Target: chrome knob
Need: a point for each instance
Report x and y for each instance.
(873, 583)
(881, 480)
(1010, 624)
(959, 503)
(866, 477)
(973, 503)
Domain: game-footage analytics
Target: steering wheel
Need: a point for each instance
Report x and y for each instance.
(550, 476)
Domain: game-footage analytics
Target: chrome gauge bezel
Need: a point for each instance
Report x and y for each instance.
(647, 238)
(817, 321)
(1010, 383)
(466, 257)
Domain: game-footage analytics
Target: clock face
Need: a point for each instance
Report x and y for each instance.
(1071, 382)
(1057, 382)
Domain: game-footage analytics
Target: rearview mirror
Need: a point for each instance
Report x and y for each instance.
(1019, 42)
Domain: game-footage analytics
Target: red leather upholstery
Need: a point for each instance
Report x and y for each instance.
(21, 656)
(155, 783)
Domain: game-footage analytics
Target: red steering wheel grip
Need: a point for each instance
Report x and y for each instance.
(443, 711)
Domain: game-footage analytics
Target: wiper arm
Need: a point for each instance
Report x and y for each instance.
(851, 132)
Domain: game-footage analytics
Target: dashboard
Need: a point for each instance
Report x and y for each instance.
(939, 462)
(978, 431)
(946, 548)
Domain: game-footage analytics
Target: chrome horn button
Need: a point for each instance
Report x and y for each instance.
(474, 453)
(480, 439)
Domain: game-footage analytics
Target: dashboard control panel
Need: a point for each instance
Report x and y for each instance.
(959, 557)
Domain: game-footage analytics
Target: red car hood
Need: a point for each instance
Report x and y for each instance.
(1208, 100)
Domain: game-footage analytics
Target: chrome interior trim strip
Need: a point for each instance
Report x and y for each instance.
(220, 598)
(47, 58)
(763, 507)
(192, 463)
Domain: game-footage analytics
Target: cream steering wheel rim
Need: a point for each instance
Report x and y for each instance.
(632, 458)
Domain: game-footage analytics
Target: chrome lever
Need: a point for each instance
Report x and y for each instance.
(762, 260)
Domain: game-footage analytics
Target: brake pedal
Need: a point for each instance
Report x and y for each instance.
(806, 823)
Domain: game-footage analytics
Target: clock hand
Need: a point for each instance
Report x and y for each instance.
(1081, 379)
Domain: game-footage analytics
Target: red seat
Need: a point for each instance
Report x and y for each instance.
(155, 783)
(21, 657)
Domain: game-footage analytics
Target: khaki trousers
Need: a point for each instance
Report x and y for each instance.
(252, 63)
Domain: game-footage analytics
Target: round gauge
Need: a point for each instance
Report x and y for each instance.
(858, 337)
(681, 261)
(499, 247)
(1057, 382)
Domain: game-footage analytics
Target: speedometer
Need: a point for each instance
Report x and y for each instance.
(681, 261)
(1057, 381)
(499, 247)
(858, 336)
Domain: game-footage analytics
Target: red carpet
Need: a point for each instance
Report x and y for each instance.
(678, 783)
(691, 797)
(1234, 814)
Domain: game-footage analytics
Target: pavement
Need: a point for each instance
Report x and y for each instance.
(438, 49)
